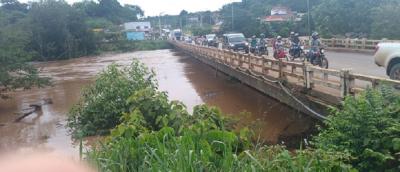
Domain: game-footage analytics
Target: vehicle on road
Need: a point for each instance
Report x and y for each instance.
(280, 54)
(212, 40)
(235, 42)
(388, 55)
(187, 39)
(176, 34)
(262, 49)
(318, 58)
(296, 52)
(259, 49)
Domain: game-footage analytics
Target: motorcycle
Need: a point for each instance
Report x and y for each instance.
(296, 51)
(280, 54)
(253, 49)
(318, 58)
(262, 49)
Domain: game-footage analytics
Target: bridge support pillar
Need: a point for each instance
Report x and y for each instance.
(346, 82)
(309, 74)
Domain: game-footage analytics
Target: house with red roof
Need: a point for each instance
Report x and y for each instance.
(281, 14)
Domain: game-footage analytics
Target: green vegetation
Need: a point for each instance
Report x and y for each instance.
(152, 133)
(103, 102)
(368, 127)
(212, 150)
(355, 18)
(15, 73)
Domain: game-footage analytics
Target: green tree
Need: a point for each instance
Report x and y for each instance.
(183, 18)
(59, 31)
(386, 21)
(368, 127)
(14, 5)
(15, 73)
(104, 102)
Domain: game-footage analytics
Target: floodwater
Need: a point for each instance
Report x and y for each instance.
(184, 78)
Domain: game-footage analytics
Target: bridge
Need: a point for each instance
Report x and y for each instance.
(299, 85)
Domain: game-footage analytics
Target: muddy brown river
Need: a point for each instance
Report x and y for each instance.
(184, 78)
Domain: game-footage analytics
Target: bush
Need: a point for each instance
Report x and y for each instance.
(103, 102)
(160, 135)
(368, 127)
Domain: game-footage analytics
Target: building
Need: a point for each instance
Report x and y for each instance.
(282, 14)
(137, 30)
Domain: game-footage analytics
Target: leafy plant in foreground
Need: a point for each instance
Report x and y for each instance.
(213, 150)
(103, 103)
(368, 127)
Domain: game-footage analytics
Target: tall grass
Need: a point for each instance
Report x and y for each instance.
(164, 151)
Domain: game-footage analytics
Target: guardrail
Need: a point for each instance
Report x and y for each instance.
(337, 83)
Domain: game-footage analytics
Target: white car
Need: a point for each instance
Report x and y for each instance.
(388, 55)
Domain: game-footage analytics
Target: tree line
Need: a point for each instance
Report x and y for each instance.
(332, 18)
(51, 30)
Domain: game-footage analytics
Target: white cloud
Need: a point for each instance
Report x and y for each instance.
(173, 7)
(155, 7)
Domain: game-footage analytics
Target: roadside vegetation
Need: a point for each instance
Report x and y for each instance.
(148, 132)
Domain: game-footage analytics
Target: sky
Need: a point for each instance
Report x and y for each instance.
(172, 7)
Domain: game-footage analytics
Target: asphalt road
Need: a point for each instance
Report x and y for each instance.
(361, 63)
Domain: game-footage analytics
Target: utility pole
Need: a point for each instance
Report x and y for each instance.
(159, 23)
(308, 16)
(201, 20)
(232, 18)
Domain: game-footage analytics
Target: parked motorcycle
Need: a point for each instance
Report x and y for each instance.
(296, 52)
(318, 58)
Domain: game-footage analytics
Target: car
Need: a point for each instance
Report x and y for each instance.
(187, 39)
(211, 40)
(235, 42)
(388, 55)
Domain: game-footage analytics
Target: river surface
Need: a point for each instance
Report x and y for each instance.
(184, 78)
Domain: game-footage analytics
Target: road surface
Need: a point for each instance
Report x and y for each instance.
(361, 63)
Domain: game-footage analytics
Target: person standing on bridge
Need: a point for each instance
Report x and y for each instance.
(315, 45)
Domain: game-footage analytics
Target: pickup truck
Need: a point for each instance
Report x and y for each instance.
(388, 55)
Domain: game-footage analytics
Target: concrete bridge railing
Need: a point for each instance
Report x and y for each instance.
(323, 85)
(363, 44)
